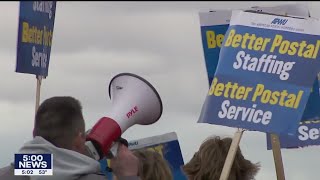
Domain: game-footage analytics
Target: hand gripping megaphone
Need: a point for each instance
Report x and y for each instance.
(134, 101)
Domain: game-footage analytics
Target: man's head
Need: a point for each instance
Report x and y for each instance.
(59, 120)
(208, 162)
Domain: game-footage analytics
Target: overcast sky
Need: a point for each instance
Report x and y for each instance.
(160, 41)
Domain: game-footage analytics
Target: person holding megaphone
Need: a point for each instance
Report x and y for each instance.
(60, 130)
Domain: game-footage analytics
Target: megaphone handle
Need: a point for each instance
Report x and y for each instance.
(114, 149)
(92, 150)
(123, 141)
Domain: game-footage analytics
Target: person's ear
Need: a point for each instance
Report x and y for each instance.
(79, 143)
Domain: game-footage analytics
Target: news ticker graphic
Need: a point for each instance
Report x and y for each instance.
(33, 164)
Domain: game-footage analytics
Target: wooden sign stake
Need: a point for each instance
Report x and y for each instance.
(231, 154)
(39, 80)
(277, 156)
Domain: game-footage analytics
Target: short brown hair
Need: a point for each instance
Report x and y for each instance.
(59, 120)
(208, 162)
(152, 165)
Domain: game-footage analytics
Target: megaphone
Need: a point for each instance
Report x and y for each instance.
(134, 101)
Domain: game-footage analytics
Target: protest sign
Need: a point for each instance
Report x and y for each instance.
(166, 145)
(308, 130)
(296, 9)
(214, 25)
(217, 22)
(268, 64)
(307, 135)
(35, 32)
(309, 127)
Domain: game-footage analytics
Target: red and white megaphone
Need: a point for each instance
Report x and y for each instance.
(134, 101)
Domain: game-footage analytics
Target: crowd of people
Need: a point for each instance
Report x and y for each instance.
(60, 129)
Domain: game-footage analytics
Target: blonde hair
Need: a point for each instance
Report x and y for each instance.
(208, 162)
(152, 165)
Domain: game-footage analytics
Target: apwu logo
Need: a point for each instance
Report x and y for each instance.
(279, 21)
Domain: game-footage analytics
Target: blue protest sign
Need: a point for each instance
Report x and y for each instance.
(166, 145)
(308, 135)
(214, 25)
(265, 72)
(35, 32)
(308, 130)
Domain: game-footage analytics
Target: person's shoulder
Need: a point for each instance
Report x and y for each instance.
(8, 174)
(6, 171)
(93, 177)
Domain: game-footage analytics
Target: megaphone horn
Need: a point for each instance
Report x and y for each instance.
(134, 101)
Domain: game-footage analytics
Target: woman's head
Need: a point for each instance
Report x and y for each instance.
(207, 163)
(153, 166)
